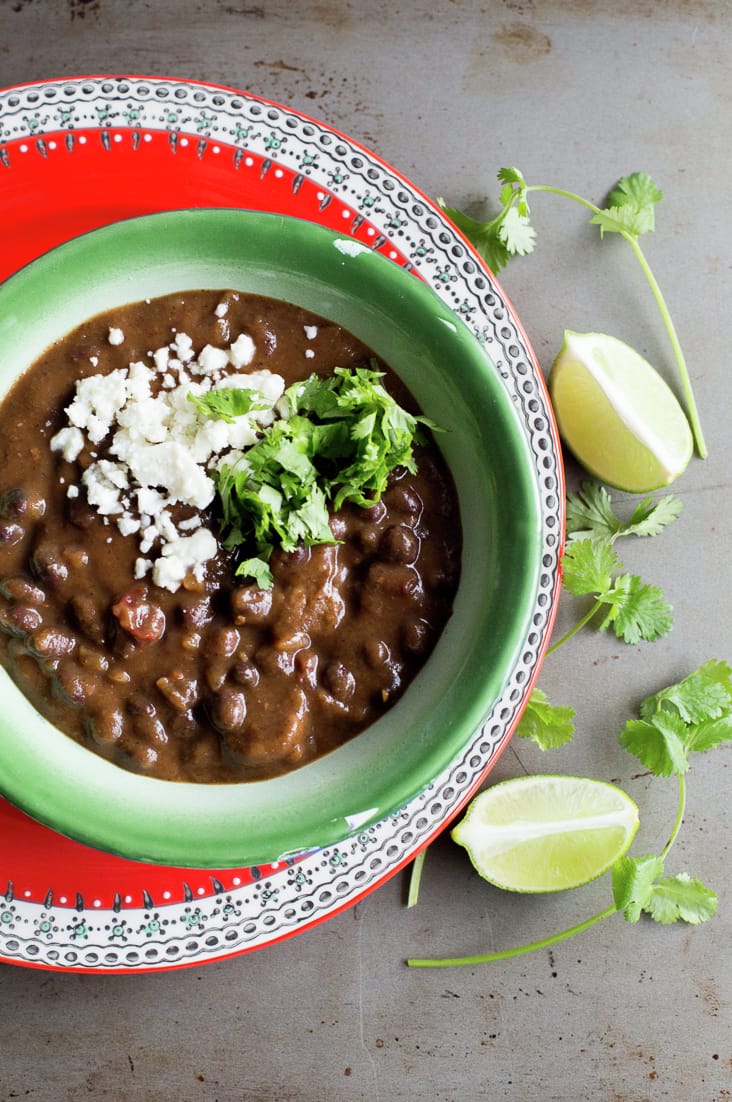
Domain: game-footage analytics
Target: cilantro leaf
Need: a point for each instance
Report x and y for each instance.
(632, 880)
(660, 745)
(637, 190)
(517, 233)
(631, 206)
(590, 515)
(649, 517)
(509, 233)
(710, 733)
(637, 889)
(226, 403)
(484, 236)
(635, 610)
(258, 570)
(548, 725)
(588, 567)
(623, 220)
(682, 898)
(695, 714)
(702, 695)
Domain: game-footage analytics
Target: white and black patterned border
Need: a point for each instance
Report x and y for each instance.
(230, 124)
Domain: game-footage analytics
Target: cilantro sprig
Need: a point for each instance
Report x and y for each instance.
(590, 515)
(635, 610)
(630, 213)
(694, 714)
(343, 438)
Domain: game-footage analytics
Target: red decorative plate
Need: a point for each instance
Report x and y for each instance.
(78, 154)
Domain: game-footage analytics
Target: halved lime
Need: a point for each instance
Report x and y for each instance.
(617, 415)
(546, 833)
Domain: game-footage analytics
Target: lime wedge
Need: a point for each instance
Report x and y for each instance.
(546, 833)
(617, 415)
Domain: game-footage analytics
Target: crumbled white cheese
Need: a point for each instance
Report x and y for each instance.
(187, 554)
(242, 350)
(183, 347)
(68, 441)
(98, 400)
(212, 359)
(160, 450)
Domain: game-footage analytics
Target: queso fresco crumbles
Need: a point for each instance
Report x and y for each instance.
(228, 541)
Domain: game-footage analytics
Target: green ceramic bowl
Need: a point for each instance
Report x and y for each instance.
(85, 797)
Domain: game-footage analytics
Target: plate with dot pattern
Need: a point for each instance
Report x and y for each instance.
(76, 154)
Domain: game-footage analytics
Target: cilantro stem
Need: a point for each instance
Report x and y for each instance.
(517, 951)
(683, 370)
(679, 817)
(575, 627)
(415, 878)
(693, 413)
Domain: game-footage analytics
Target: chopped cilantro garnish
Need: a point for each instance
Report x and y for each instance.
(344, 437)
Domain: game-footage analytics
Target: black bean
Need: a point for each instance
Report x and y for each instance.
(376, 653)
(106, 727)
(215, 673)
(222, 640)
(184, 727)
(51, 642)
(72, 684)
(367, 537)
(92, 659)
(250, 604)
(139, 705)
(339, 681)
(373, 513)
(13, 503)
(338, 527)
(87, 617)
(150, 730)
(18, 504)
(245, 673)
(81, 513)
(228, 710)
(405, 499)
(195, 612)
(180, 690)
(10, 533)
(416, 636)
(20, 620)
(47, 563)
(399, 544)
(272, 661)
(393, 579)
(306, 667)
(16, 587)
